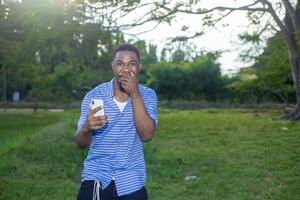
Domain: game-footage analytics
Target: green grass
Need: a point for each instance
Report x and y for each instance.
(235, 154)
(15, 125)
(39, 159)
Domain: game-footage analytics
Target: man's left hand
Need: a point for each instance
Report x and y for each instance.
(130, 84)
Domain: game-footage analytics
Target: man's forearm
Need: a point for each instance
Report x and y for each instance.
(83, 137)
(143, 123)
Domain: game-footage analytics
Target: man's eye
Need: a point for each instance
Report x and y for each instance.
(119, 64)
(132, 64)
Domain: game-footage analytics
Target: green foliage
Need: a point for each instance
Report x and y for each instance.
(178, 56)
(199, 79)
(254, 37)
(169, 80)
(163, 55)
(148, 57)
(270, 77)
(60, 56)
(147, 51)
(264, 84)
(205, 77)
(246, 86)
(53, 50)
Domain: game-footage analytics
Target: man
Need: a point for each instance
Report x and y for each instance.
(115, 165)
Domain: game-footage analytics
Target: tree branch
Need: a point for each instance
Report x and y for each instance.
(153, 18)
(215, 21)
(274, 28)
(107, 11)
(185, 38)
(271, 10)
(221, 8)
(142, 32)
(291, 12)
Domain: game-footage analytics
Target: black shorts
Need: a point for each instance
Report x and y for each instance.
(109, 193)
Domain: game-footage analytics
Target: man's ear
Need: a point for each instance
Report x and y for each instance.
(112, 65)
(113, 68)
(140, 67)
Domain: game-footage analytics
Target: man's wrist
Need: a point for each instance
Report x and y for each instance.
(85, 129)
(135, 95)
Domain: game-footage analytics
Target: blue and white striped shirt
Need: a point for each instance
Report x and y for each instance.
(116, 150)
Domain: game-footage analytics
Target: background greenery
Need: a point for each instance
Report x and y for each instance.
(234, 154)
(54, 51)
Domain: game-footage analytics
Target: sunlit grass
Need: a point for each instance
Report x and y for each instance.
(231, 154)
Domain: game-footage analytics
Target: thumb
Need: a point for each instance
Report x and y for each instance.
(132, 73)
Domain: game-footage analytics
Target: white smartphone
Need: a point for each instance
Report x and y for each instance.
(96, 103)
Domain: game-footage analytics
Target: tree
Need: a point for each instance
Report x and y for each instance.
(247, 86)
(273, 70)
(61, 53)
(168, 79)
(8, 36)
(178, 56)
(269, 79)
(205, 77)
(284, 17)
(198, 79)
(148, 57)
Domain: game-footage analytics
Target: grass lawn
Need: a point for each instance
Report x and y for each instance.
(229, 154)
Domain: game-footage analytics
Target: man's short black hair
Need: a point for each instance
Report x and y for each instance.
(127, 47)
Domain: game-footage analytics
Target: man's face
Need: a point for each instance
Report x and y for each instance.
(125, 62)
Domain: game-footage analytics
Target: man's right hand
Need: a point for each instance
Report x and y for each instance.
(93, 123)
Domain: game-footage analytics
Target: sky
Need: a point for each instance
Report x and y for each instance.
(219, 38)
(215, 39)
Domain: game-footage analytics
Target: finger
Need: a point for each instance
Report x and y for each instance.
(100, 118)
(100, 123)
(96, 109)
(125, 85)
(126, 79)
(121, 78)
(97, 127)
(104, 117)
(96, 123)
(132, 74)
(91, 108)
(103, 121)
(124, 82)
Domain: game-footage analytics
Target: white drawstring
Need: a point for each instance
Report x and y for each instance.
(96, 191)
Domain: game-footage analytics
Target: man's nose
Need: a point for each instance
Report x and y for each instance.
(126, 67)
(126, 70)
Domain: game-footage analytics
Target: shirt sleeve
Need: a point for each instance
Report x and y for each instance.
(84, 110)
(151, 104)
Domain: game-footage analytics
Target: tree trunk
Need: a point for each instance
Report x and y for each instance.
(294, 114)
(290, 33)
